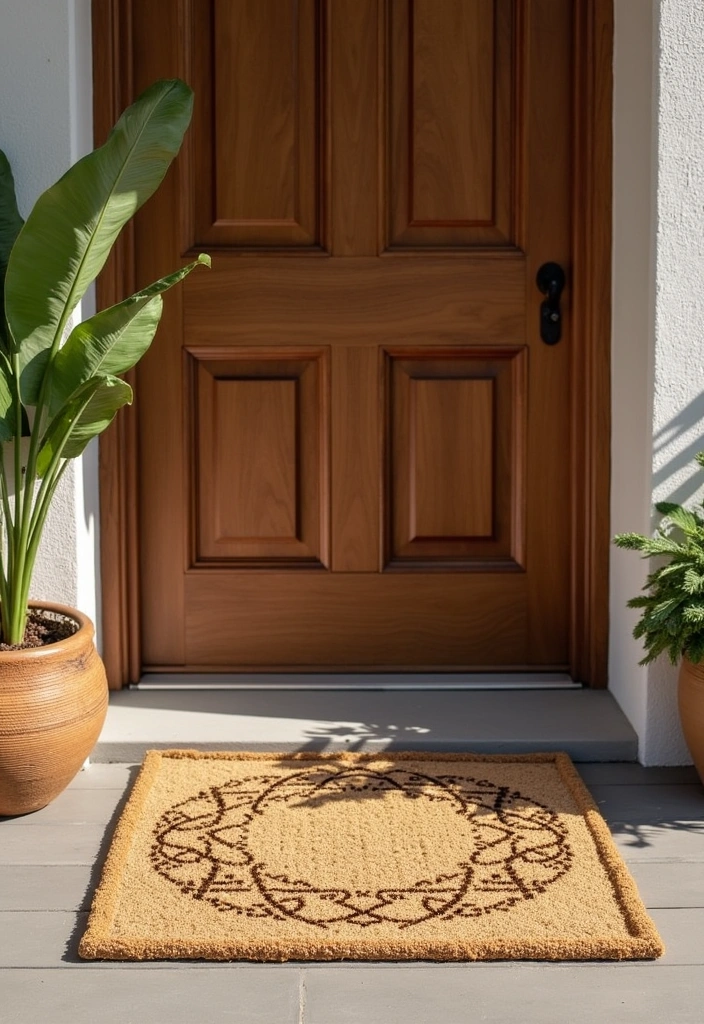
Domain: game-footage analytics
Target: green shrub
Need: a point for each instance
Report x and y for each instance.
(672, 617)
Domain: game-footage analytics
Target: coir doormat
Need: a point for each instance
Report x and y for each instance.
(364, 856)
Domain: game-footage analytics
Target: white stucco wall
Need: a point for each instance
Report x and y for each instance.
(658, 304)
(45, 125)
(678, 398)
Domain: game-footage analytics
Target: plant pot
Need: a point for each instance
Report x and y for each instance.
(690, 695)
(53, 702)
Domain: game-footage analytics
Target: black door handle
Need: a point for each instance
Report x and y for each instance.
(551, 282)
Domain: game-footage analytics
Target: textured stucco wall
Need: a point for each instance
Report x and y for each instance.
(678, 398)
(658, 301)
(45, 125)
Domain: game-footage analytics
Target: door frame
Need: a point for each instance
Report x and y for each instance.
(591, 318)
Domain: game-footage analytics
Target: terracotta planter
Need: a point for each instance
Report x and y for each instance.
(53, 702)
(690, 695)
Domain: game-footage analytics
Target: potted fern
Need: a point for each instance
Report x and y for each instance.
(60, 386)
(672, 608)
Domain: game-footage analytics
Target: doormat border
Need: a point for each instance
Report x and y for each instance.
(644, 942)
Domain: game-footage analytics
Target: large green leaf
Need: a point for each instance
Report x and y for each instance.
(97, 415)
(7, 414)
(8, 410)
(10, 224)
(112, 341)
(73, 226)
(88, 411)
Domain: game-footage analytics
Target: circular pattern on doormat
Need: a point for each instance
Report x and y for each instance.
(231, 846)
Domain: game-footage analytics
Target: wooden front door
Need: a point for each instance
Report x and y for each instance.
(354, 449)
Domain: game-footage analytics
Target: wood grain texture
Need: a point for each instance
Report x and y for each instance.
(257, 142)
(591, 388)
(452, 161)
(473, 295)
(548, 435)
(256, 418)
(356, 463)
(387, 620)
(353, 113)
(159, 459)
(119, 574)
(358, 301)
(260, 456)
(453, 458)
(451, 143)
(455, 479)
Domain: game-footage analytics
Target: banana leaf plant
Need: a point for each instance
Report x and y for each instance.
(60, 386)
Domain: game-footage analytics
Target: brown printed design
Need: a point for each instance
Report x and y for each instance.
(207, 845)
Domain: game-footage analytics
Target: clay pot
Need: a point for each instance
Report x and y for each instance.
(53, 702)
(690, 695)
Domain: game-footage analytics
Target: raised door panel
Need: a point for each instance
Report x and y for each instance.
(453, 122)
(255, 152)
(455, 491)
(259, 458)
(358, 301)
(356, 621)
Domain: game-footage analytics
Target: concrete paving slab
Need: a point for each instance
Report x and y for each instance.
(50, 844)
(637, 841)
(46, 887)
(653, 805)
(629, 774)
(542, 994)
(105, 776)
(73, 807)
(198, 995)
(667, 884)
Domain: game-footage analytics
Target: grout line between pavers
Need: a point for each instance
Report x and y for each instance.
(302, 996)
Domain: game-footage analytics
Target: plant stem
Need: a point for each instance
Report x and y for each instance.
(44, 394)
(18, 613)
(42, 506)
(5, 571)
(35, 516)
(27, 524)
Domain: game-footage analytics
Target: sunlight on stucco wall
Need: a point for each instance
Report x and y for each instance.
(678, 395)
(658, 309)
(45, 125)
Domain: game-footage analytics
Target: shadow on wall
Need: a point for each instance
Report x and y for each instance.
(669, 438)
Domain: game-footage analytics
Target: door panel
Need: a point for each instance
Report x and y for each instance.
(269, 508)
(382, 629)
(455, 458)
(354, 447)
(257, 132)
(398, 298)
(453, 126)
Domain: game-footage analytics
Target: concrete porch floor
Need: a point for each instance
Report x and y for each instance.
(588, 724)
(51, 861)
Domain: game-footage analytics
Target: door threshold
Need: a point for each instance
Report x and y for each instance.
(360, 681)
(588, 724)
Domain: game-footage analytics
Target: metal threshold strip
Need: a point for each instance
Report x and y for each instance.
(431, 681)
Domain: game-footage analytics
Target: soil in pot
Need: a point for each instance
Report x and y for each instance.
(42, 629)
